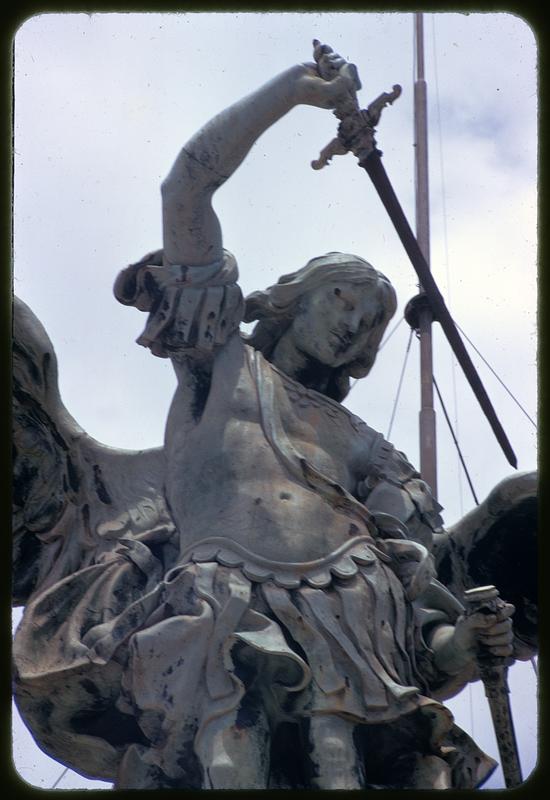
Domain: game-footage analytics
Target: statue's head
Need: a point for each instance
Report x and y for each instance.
(335, 310)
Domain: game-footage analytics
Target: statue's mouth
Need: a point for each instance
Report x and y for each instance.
(345, 339)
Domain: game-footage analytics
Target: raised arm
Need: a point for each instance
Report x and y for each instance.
(193, 310)
(191, 230)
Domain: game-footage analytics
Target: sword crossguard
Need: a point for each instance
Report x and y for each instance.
(333, 148)
(375, 108)
(357, 126)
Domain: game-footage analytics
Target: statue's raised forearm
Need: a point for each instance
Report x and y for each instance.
(191, 230)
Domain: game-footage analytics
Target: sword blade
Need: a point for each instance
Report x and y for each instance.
(377, 173)
(498, 695)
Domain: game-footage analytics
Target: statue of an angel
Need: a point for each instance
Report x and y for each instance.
(255, 604)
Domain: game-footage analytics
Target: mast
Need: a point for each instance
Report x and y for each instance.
(427, 421)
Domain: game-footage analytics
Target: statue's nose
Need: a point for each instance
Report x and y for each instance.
(354, 320)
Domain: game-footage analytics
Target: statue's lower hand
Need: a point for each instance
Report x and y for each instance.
(457, 646)
(490, 633)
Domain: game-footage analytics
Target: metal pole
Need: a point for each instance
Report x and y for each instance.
(427, 421)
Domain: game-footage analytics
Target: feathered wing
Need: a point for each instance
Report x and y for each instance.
(74, 499)
(496, 544)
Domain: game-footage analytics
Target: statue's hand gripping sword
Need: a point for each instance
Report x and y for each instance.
(356, 134)
(493, 671)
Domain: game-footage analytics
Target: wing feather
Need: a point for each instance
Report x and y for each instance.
(73, 498)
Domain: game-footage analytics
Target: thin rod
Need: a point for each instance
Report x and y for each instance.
(427, 419)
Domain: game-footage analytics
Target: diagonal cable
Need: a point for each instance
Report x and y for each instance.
(455, 440)
(400, 384)
(390, 334)
(516, 401)
(60, 777)
(388, 337)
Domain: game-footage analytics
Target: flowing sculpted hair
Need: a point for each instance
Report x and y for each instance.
(276, 307)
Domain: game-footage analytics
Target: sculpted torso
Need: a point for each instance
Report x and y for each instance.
(225, 480)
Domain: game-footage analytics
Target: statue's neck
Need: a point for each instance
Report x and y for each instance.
(299, 366)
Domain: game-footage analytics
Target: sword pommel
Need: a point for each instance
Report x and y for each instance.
(482, 597)
(487, 600)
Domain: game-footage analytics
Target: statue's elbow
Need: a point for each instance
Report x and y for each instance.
(170, 188)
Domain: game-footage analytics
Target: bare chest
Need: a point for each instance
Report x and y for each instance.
(244, 409)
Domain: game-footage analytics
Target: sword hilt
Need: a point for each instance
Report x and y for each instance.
(357, 126)
(483, 598)
(486, 600)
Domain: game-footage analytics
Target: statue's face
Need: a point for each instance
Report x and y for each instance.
(334, 322)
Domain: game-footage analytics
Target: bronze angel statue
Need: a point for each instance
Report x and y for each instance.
(269, 600)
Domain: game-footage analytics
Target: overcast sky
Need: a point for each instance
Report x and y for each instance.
(105, 101)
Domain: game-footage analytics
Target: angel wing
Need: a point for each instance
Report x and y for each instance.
(496, 544)
(74, 499)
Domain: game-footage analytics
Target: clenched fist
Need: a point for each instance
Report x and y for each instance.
(457, 646)
(325, 82)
